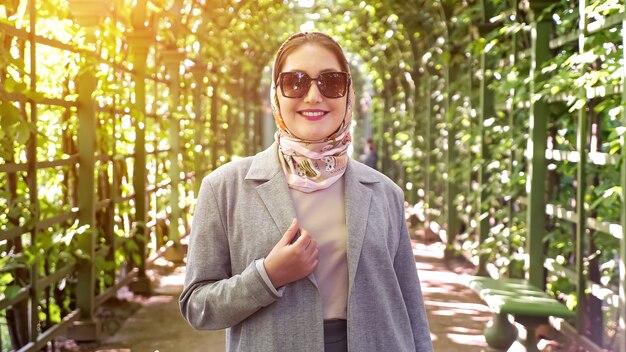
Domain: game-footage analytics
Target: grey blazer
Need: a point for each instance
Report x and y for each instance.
(242, 210)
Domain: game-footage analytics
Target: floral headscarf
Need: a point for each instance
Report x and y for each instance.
(312, 165)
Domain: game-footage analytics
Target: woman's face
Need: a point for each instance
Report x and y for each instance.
(312, 117)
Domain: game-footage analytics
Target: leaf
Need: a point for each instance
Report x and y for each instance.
(12, 86)
(22, 133)
(579, 104)
(36, 97)
(5, 278)
(45, 242)
(67, 257)
(9, 115)
(55, 313)
(14, 213)
(11, 291)
(445, 56)
(81, 255)
(402, 136)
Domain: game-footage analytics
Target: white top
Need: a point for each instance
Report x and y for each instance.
(323, 215)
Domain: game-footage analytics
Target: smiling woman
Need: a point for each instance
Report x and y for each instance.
(308, 113)
(300, 248)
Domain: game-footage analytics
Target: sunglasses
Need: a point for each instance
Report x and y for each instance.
(297, 84)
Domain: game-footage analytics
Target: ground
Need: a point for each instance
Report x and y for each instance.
(456, 314)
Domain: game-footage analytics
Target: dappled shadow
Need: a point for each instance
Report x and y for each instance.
(456, 314)
(159, 326)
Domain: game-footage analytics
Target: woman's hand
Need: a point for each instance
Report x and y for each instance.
(289, 262)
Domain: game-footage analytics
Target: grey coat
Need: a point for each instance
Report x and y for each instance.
(243, 209)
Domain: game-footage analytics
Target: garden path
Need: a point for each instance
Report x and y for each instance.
(456, 315)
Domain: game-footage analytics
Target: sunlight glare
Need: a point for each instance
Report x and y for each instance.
(306, 3)
(307, 26)
(126, 124)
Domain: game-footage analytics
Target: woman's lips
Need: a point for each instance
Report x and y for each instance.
(313, 115)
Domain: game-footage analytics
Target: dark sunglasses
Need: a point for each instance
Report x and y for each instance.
(297, 84)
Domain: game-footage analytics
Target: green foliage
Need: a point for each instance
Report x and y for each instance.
(418, 67)
(226, 46)
(427, 88)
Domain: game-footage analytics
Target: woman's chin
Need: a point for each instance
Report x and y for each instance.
(316, 134)
(310, 136)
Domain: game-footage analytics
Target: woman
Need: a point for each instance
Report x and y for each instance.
(300, 248)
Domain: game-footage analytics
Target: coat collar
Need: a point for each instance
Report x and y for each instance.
(275, 194)
(265, 165)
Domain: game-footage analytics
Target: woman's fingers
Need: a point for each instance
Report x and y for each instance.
(304, 252)
(290, 235)
(314, 254)
(304, 239)
(292, 258)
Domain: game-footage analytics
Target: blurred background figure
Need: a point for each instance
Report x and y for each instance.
(370, 154)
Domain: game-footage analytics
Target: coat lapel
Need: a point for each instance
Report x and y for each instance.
(272, 187)
(358, 199)
(273, 190)
(275, 195)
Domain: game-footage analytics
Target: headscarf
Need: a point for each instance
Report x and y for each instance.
(312, 165)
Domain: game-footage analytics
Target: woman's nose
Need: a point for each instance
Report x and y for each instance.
(313, 95)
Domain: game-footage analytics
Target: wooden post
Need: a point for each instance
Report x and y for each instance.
(453, 224)
(31, 156)
(88, 14)
(215, 129)
(172, 59)
(621, 331)
(487, 111)
(511, 271)
(581, 188)
(428, 160)
(140, 41)
(199, 71)
(537, 143)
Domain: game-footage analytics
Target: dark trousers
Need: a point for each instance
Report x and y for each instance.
(335, 336)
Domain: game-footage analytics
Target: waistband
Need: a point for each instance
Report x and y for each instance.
(335, 330)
